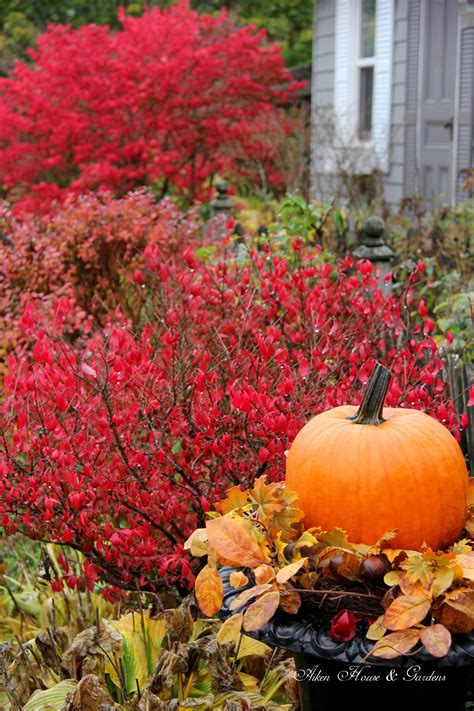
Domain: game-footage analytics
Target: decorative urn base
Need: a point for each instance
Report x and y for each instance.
(338, 676)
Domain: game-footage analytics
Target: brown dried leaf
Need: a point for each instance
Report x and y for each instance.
(233, 543)
(461, 599)
(395, 644)
(454, 620)
(260, 611)
(466, 561)
(406, 611)
(89, 695)
(436, 639)
(385, 538)
(349, 568)
(284, 574)
(238, 579)
(209, 591)
(89, 647)
(249, 594)
(230, 629)
(290, 601)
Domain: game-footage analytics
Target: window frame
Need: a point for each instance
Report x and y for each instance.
(348, 64)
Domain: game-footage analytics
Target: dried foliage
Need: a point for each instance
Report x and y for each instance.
(143, 660)
(416, 597)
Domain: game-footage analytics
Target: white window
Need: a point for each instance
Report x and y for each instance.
(363, 74)
(365, 64)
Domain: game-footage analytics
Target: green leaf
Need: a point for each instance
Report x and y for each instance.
(177, 446)
(53, 699)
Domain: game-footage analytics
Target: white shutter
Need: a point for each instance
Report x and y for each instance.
(382, 101)
(345, 99)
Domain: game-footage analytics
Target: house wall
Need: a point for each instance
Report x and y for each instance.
(323, 183)
(322, 93)
(465, 128)
(393, 181)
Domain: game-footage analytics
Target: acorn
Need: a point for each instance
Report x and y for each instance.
(373, 568)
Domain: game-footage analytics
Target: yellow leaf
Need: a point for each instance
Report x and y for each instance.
(197, 543)
(209, 591)
(249, 594)
(336, 537)
(462, 546)
(233, 543)
(393, 645)
(436, 639)
(230, 629)
(417, 568)
(406, 611)
(135, 662)
(250, 647)
(416, 589)
(443, 579)
(235, 499)
(260, 611)
(238, 579)
(392, 578)
(377, 629)
(284, 574)
(466, 561)
(264, 574)
(53, 699)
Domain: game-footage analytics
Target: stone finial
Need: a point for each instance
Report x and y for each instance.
(374, 247)
(222, 202)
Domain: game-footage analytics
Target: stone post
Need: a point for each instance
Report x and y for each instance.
(221, 204)
(374, 248)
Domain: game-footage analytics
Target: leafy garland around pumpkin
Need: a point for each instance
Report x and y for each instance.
(426, 595)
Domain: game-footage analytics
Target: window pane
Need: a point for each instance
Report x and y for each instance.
(367, 39)
(365, 102)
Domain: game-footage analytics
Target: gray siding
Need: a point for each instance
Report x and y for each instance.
(394, 179)
(465, 137)
(322, 92)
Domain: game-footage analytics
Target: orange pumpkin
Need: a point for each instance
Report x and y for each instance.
(371, 469)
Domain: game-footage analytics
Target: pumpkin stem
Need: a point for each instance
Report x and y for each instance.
(371, 407)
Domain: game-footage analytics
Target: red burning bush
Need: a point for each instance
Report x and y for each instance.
(169, 100)
(118, 444)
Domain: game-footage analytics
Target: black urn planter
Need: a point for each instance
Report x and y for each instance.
(337, 676)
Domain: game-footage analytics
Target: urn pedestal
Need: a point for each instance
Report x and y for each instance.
(339, 676)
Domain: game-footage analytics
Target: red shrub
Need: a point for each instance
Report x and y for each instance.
(119, 445)
(84, 254)
(171, 99)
